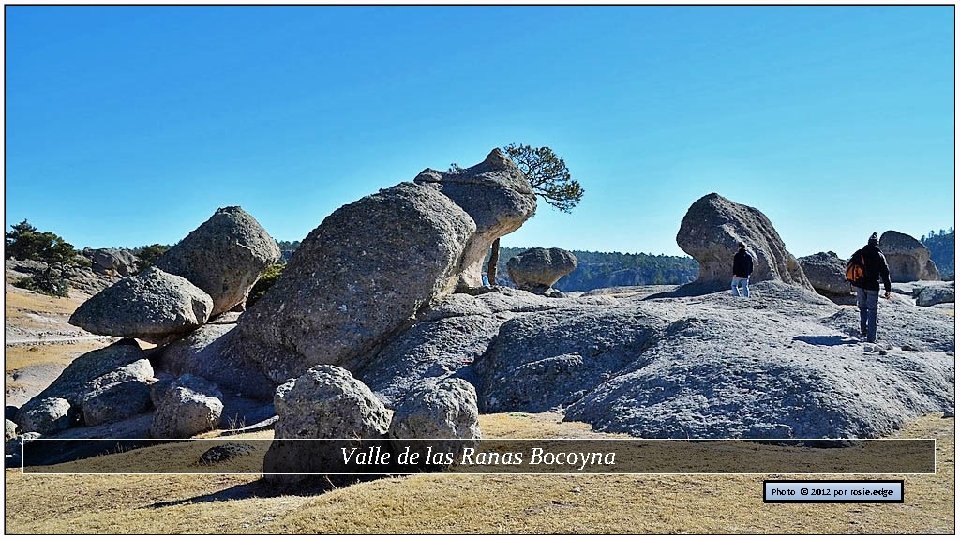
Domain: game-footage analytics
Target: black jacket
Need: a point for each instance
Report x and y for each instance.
(742, 264)
(874, 269)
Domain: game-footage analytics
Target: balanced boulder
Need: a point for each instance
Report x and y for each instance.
(326, 402)
(498, 198)
(153, 306)
(711, 231)
(52, 409)
(828, 275)
(186, 406)
(537, 269)
(224, 257)
(907, 258)
(365, 271)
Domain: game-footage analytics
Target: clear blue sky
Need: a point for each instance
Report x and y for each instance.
(131, 125)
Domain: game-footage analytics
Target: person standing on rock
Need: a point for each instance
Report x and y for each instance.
(742, 268)
(868, 286)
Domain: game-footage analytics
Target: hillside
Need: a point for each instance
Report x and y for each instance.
(941, 246)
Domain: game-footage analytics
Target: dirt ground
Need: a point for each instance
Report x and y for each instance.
(474, 504)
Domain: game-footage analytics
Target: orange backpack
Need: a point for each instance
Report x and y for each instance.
(855, 268)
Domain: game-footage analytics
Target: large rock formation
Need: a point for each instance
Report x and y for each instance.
(537, 269)
(365, 271)
(153, 306)
(710, 232)
(907, 258)
(53, 408)
(326, 402)
(498, 198)
(828, 275)
(224, 256)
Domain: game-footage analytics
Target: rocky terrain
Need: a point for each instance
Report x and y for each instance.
(379, 326)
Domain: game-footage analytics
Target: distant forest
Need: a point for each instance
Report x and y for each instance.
(941, 249)
(598, 270)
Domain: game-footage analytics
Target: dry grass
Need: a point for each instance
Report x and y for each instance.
(21, 304)
(458, 504)
(60, 354)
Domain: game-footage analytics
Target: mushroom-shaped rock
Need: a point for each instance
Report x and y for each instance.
(154, 306)
(445, 409)
(498, 198)
(366, 270)
(907, 258)
(711, 231)
(537, 269)
(224, 256)
(51, 410)
(186, 406)
(326, 402)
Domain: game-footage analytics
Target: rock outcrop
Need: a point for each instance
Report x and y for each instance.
(10, 430)
(828, 275)
(224, 257)
(186, 406)
(326, 402)
(53, 409)
(907, 258)
(537, 269)
(714, 226)
(112, 261)
(154, 306)
(497, 197)
(365, 271)
(933, 295)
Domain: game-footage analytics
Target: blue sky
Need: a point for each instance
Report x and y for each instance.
(130, 125)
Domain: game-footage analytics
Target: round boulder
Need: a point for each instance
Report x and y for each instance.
(326, 402)
(224, 256)
(438, 410)
(154, 306)
(907, 258)
(537, 269)
(186, 406)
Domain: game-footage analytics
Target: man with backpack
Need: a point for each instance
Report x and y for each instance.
(865, 269)
(742, 268)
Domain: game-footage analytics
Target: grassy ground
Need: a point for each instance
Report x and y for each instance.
(460, 504)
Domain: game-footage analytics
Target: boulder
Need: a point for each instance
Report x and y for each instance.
(932, 295)
(326, 402)
(907, 258)
(714, 226)
(117, 395)
(154, 306)
(210, 352)
(45, 416)
(10, 431)
(828, 275)
(112, 261)
(537, 269)
(364, 272)
(498, 198)
(189, 405)
(444, 409)
(224, 256)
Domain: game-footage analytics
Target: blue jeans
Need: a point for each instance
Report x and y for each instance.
(738, 282)
(867, 302)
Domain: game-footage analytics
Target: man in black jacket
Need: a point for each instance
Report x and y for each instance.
(868, 286)
(742, 268)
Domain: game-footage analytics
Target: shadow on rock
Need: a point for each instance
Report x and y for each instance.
(827, 340)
